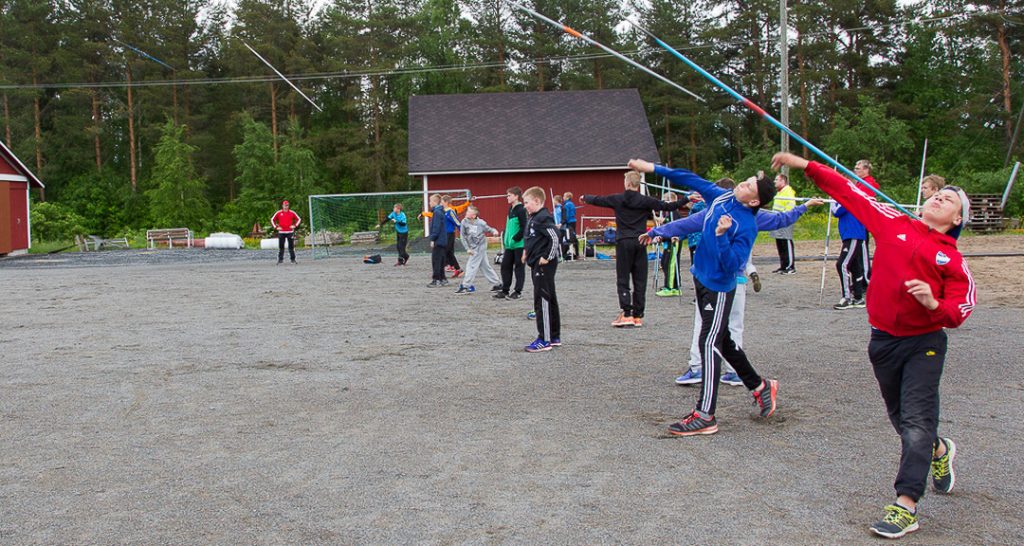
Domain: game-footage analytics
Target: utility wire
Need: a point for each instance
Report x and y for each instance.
(452, 67)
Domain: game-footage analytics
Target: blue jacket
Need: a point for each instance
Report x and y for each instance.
(569, 212)
(451, 220)
(401, 222)
(715, 265)
(438, 234)
(849, 226)
(558, 214)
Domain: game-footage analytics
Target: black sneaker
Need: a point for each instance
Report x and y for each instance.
(943, 476)
(434, 284)
(694, 425)
(513, 296)
(790, 271)
(779, 270)
(858, 303)
(443, 282)
(279, 262)
(755, 279)
(896, 522)
(500, 295)
(844, 303)
(496, 288)
(764, 399)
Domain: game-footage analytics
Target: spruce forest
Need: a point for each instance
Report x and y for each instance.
(153, 113)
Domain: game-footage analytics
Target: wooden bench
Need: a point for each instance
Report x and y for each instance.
(154, 236)
(365, 237)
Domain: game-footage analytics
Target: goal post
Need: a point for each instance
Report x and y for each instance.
(348, 222)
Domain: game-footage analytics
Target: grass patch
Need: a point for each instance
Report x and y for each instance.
(45, 247)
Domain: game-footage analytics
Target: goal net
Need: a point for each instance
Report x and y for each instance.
(357, 223)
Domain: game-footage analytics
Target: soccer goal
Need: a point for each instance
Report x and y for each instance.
(357, 222)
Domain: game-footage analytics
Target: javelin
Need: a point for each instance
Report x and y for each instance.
(765, 115)
(299, 91)
(591, 41)
(144, 54)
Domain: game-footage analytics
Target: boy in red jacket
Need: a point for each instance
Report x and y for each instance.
(285, 221)
(921, 285)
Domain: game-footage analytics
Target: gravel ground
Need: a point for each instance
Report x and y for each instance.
(214, 397)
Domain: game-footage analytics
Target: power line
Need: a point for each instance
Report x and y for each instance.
(451, 67)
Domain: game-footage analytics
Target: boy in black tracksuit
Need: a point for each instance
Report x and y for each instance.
(438, 242)
(541, 250)
(632, 210)
(512, 240)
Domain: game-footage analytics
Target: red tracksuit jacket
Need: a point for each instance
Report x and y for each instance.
(285, 220)
(906, 249)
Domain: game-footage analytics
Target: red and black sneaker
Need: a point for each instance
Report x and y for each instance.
(764, 399)
(693, 425)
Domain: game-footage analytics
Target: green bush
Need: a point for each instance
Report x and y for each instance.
(55, 222)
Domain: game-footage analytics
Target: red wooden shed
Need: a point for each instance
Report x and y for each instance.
(562, 141)
(15, 183)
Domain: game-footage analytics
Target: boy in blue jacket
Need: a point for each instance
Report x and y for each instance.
(438, 241)
(727, 237)
(401, 232)
(853, 264)
(766, 221)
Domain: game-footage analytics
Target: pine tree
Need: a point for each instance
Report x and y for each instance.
(178, 197)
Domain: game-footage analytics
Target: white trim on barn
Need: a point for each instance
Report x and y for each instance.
(28, 212)
(13, 178)
(426, 204)
(546, 170)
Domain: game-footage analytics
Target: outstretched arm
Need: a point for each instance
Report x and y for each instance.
(771, 220)
(681, 227)
(680, 177)
(863, 206)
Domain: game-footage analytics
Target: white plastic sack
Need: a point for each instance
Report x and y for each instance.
(224, 240)
(268, 244)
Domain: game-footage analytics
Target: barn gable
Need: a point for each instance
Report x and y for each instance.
(13, 170)
(537, 131)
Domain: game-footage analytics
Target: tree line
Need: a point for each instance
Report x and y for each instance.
(153, 112)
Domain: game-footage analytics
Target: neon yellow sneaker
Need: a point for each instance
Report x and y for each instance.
(896, 522)
(943, 477)
(664, 292)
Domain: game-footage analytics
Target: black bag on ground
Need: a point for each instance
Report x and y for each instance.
(374, 259)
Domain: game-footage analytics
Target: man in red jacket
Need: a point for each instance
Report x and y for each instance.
(921, 286)
(285, 221)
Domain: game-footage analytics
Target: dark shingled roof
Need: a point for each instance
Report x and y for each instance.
(528, 131)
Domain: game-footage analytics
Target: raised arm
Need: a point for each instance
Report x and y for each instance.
(680, 177)
(862, 205)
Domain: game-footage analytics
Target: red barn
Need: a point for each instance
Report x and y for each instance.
(562, 141)
(15, 182)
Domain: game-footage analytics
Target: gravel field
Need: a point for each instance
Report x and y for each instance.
(193, 396)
